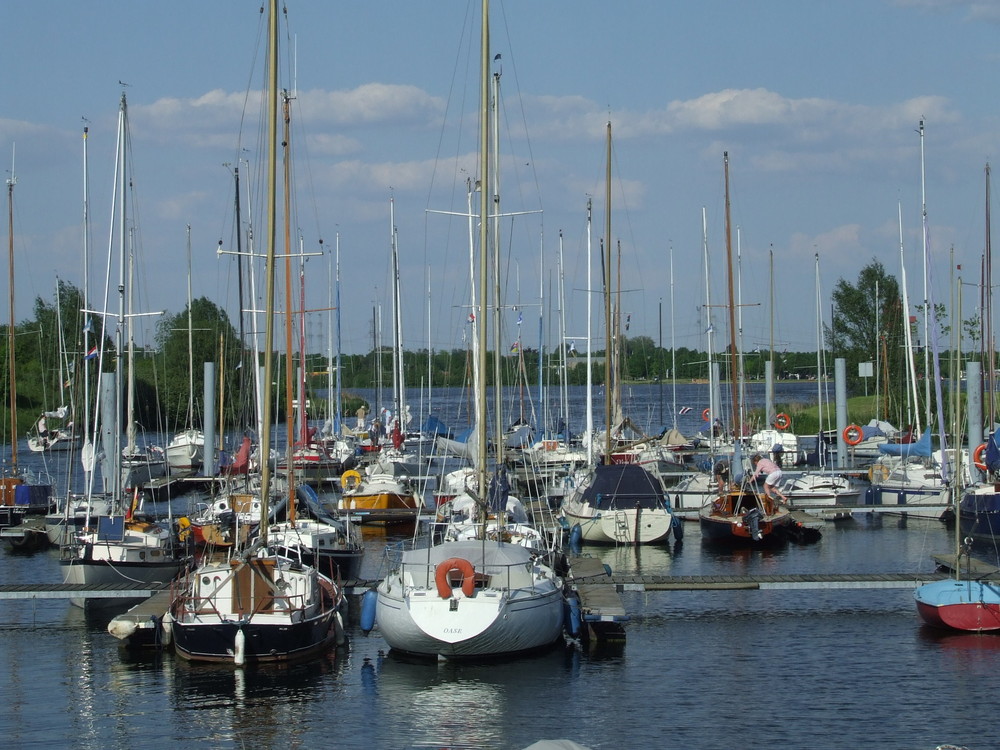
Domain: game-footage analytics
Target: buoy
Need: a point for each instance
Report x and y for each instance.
(782, 421)
(239, 648)
(852, 434)
(706, 414)
(368, 602)
(979, 457)
(878, 473)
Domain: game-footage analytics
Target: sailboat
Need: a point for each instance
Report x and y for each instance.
(617, 503)
(123, 546)
(740, 514)
(484, 597)
(257, 606)
(970, 600)
(186, 450)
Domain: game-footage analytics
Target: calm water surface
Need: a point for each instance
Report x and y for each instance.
(726, 669)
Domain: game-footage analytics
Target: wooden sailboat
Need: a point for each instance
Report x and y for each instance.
(257, 606)
(742, 514)
(617, 502)
(482, 597)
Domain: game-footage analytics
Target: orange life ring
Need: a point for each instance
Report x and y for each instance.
(706, 414)
(464, 567)
(852, 434)
(782, 421)
(979, 457)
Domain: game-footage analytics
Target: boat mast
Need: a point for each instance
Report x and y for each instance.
(271, 187)
(11, 181)
(87, 452)
(928, 312)
(733, 363)
(987, 311)
(607, 302)
(484, 208)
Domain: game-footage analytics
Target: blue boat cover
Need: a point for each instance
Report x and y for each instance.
(921, 447)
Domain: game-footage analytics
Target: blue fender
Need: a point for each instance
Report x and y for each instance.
(573, 618)
(368, 602)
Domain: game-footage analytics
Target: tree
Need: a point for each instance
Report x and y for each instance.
(211, 333)
(867, 325)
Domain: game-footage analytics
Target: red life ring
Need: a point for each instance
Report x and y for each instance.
(979, 457)
(462, 566)
(706, 414)
(782, 421)
(852, 434)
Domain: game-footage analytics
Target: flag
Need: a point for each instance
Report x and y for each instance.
(92, 353)
(520, 319)
(628, 319)
(515, 346)
(89, 327)
(572, 347)
(684, 410)
(472, 317)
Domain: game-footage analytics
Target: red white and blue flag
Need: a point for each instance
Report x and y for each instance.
(92, 353)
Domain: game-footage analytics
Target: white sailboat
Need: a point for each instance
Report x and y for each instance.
(186, 450)
(481, 597)
(122, 546)
(615, 503)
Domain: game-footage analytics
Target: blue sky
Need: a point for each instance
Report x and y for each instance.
(817, 104)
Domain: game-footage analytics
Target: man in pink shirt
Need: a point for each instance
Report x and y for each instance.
(772, 475)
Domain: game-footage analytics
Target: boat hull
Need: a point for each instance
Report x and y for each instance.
(970, 606)
(621, 526)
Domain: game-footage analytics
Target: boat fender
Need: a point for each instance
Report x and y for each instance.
(979, 457)
(350, 479)
(852, 434)
(368, 602)
(782, 421)
(239, 648)
(167, 629)
(607, 569)
(464, 567)
(575, 535)
(338, 629)
(573, 617)
(677, 525)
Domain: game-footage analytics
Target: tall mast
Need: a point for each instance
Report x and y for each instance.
(271, 188)
(927, 308)
(11, 181)
(607, 303)
(484, 210)
(733, 363)
(987, 311)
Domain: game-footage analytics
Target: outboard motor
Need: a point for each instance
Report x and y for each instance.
(752, 520)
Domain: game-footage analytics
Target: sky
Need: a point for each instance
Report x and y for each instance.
(817, 104)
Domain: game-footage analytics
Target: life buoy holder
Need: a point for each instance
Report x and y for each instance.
(706, 414)
(979, 457)
(443, 570)
(782, 421)
(852, 434)
(350, 479)
(878, 473)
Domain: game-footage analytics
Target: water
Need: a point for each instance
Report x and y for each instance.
(721, 669)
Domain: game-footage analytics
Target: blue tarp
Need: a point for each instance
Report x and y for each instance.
(434, 426)
(921, 447)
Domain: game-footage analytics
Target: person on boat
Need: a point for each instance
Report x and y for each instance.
(772, 475)
(43, 430)
(721, 473)
(778, 451)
